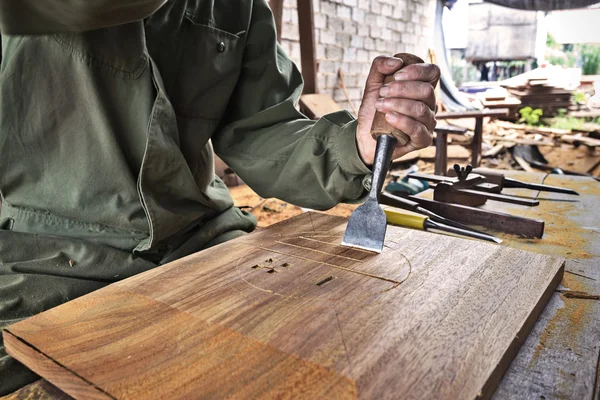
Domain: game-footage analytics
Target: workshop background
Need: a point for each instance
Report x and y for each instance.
(349, 34)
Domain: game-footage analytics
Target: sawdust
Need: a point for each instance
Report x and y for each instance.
(564, 328)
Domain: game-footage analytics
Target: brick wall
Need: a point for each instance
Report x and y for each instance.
(349, 34)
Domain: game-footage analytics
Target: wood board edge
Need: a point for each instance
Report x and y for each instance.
(511, 352)
(45, 366)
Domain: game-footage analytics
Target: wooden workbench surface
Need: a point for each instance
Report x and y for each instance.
(560, 357)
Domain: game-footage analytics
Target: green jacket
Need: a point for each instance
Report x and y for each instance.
(106, 161)
(108, 132)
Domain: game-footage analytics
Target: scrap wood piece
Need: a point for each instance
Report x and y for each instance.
(574, 294)
(314, 106)
(523, 164)
(453, 151)
(514, 139)
(298, 333)
(494, 151)
(579, 138)
(534, 129)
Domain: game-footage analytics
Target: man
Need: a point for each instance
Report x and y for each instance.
(107, 109)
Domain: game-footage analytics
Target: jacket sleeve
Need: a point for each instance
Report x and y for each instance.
(274, 148)
(26, 17)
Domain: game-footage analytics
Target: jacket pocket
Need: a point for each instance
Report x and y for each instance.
(119, 50)
(209, 62)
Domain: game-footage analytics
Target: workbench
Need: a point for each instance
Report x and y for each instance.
(561, 355)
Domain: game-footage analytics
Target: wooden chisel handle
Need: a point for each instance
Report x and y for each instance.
(380, 125)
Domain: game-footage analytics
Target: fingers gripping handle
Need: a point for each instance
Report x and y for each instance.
(380, 125)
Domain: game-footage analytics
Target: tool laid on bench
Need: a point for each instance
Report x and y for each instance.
(502, 182)
(469, 189)
(410, 205)
(409, 219)
(502, 222)
(367, 225)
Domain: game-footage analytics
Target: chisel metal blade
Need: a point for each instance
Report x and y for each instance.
(366, 228)
(513, 183)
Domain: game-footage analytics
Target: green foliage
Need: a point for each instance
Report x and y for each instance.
(580, 97)
(571, 123)
(567, 60)
(590, 58)
(562, 121)
(551, 43)
(569, 55)
(530, 116)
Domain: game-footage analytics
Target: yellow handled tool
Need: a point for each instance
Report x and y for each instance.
(408, 219)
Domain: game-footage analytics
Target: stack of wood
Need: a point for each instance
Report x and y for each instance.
(542, 93)
(495, 100)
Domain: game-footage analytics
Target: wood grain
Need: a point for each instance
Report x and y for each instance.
(287, 312)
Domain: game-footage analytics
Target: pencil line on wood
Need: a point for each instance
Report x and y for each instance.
(311, 221)
(319, 251)
(344, 342)
(333, 265)
(333, 244)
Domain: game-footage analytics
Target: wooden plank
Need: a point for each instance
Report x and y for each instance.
(534, 129)
(477, 142)
(314, 106)
(453, 151)
(591, 142)
(67, 380)
(560, 357)
(472, 114)
(306, 27)
(287, 312)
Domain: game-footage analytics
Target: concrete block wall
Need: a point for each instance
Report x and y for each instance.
(349, 34)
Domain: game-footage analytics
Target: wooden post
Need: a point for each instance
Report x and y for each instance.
(307, 45)
(441, 146)
(477, 141)
(277, 8)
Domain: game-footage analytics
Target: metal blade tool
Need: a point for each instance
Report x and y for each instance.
(368, 223)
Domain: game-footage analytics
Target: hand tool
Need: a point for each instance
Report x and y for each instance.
(410, 205)
(502, 222)
(469, 189)
(367, 225)
(399, 217)
(504, 182)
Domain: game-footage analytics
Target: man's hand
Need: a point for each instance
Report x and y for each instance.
(408, 104)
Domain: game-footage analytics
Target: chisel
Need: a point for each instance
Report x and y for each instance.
(399, 217)
(400, 202)
(513, 183)
(503, 182)
(367, 225)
